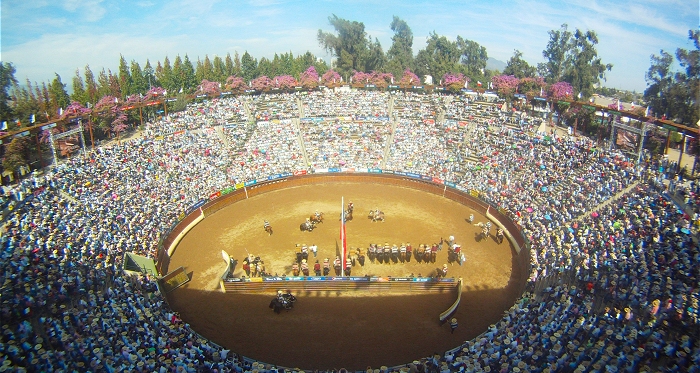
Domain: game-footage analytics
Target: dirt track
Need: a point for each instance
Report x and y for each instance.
(326, 330)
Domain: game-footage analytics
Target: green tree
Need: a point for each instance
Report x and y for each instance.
(165, 76)
(439, 57)
(57, 94)
(586, 69)
(149, 75)
(675, 94)
(125, 80)
(178, 76)
(349, 46)
(266, 68)
(208, 69)
(139, 82)
(688, 82)
(400, 54)
(249, 67)
(518, 67)
(219, 67)
(25, 104)
(237, 69)
(573, 58)
(79, 92)
(16, 154)
(230, 70)
(556, 54)
(7, 80)
(375, 59)
(189, 80)
(91, 86)
(473, 57)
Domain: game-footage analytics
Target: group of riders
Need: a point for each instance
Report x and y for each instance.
(486, 230)
(317, 218)
(254, 266)
(402, 253)
(312, 221)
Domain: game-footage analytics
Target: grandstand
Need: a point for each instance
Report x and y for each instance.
(613, 280)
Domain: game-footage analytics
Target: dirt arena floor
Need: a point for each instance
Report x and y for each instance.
(331, 330)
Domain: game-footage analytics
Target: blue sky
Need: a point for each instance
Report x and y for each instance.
(43, 37)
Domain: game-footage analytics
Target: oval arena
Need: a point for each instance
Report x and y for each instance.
(597, 272)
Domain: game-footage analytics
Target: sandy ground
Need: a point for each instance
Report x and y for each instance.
(326, 330)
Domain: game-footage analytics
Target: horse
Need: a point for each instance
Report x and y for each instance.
(268, 229)
(316, 218)
(347, 214)
(283, 302)
(307, 226)
(376, 215)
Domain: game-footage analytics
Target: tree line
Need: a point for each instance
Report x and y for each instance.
(570, 57)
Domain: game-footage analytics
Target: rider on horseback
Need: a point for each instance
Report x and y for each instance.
(266, 224)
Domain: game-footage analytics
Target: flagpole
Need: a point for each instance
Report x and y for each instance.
(342, 236)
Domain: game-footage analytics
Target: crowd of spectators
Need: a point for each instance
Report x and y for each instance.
(613, 277)
(329, 104)
(274, 106)
(210, 113)
(341, 143)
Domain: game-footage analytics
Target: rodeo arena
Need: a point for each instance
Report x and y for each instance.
(352, 230)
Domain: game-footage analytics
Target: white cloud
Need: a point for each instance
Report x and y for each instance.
(38, 59)
(91, 9)
(632, 13)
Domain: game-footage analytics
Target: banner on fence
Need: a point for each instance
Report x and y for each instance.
(197, 205)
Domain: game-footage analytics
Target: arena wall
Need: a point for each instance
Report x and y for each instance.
(242, 191)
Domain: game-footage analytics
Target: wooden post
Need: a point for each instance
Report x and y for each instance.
(165, 107)
(141, 115)
(680, 154)
(668, 141)
(92, 140)
(38, 149)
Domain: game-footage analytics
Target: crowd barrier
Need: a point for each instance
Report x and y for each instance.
(340, 284)
(252, 188)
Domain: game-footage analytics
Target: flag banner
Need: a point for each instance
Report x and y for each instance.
(343, 238)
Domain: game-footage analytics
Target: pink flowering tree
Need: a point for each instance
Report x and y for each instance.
(561, 90)
(209, 88)
(75, 109)
(109, 116)
(309, 78)
(262, 84)
(409, 79)
(381, 80)
(331, 79)
(531, 87)
(360, 78)
(285, 82)
(236, 85)
(506, 85)
(133, 99)
(614, 106)
(454, 82)
(155, 92)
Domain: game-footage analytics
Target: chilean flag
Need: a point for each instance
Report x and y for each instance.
(343, 236)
